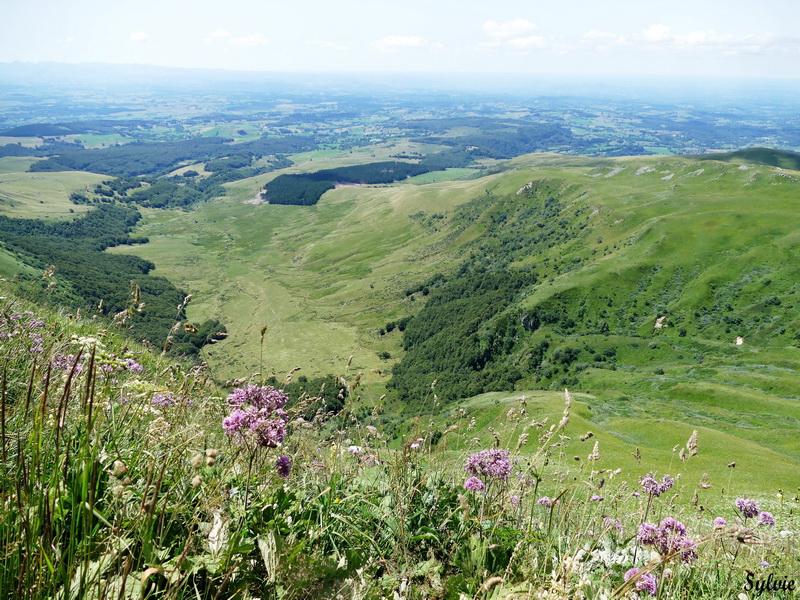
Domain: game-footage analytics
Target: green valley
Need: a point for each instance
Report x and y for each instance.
(641, 273)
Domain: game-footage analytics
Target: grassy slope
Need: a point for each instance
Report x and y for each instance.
(757, 467)
(325, 278)
(40, 195)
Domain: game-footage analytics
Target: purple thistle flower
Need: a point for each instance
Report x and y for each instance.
(492, 463)
(37, 343)
(63, 362)
(688, 550)
(646, 582)
(474, 484)
(283, 465)
(670, 524)
(766, 519)
(749, 508)
(719, 523)
(261, 397)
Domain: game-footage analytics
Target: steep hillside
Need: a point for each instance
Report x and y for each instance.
(629, 279)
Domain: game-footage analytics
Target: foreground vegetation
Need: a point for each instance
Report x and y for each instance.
(127, 476)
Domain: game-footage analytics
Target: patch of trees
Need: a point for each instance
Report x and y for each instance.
(510, 141)
(310, 397)
(47, 149)
(72, 128)
(461, 338)
(234, 161)
(159, 158)
(96, 281)
(134, 159)
(305, 189)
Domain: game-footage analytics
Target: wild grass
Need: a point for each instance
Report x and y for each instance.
(119, 481)
(41, 195)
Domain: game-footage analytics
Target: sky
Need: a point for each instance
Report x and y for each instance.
(698, 38)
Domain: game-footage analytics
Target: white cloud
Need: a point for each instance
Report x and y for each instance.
(509, 29)
(512, 36)
(139, 36)
(661, 38)
(394, 43)
(604, 38)
(657, 33)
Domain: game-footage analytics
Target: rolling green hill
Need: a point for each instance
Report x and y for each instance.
(642, 273)
(626, 279)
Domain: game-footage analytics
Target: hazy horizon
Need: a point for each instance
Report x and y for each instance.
(731, 38)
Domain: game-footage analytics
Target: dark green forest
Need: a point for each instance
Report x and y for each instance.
(98, 282)
(305, 189)
(159, 158)
(459, 340)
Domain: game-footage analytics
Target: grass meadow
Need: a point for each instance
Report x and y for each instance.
(40, 195)
(127, 476)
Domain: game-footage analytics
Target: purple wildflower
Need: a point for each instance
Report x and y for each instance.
(474, 484)
(37, 343)
(283, 465)
(514, 501)
(652, 486)
(491, 464)
(234, 422)
(749, 508)
(719, 523)
(644, 582)
(547, 502)
(414, 446)
(257, 412)
(62, 362)
(616, 523)
(355, 450)
(648, 534)
(669, 539)
(268, 432)
(596, 498)
(261, 397)
(766, 519)
(133, 366)
(163, 400)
